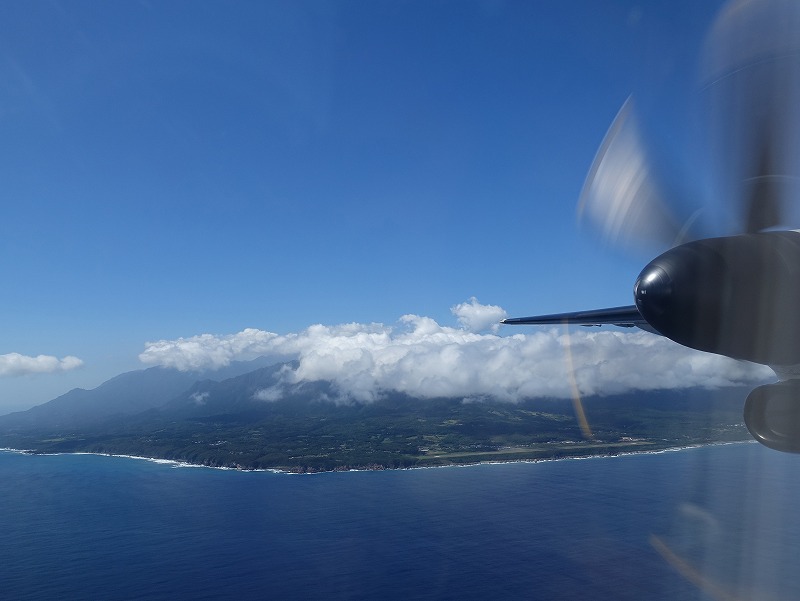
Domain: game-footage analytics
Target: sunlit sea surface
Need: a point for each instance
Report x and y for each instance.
(706, 523)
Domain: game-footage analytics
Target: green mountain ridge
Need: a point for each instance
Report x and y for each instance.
(232, 422)
(126, 394)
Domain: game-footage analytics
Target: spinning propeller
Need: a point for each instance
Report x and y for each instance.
(751, 80)
(739, 294)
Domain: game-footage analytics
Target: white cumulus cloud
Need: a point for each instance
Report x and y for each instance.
(15, 364)
(207, 351)
(200, 398)
(269, 394)
(476, 317)
(422, 358)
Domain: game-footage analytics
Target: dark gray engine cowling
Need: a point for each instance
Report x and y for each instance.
(772, 414)
(737, 296)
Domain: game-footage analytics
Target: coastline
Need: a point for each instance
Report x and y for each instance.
(184, 464)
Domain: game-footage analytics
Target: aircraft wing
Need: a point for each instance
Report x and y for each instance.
(626, 317)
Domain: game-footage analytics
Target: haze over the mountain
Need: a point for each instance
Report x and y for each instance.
(124, 395)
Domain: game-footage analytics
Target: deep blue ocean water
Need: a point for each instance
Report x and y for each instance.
(707, 523)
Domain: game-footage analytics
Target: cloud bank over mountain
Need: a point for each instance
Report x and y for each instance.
(15, 364)
(422, 358)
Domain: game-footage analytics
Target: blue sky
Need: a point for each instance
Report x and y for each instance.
(185, 168)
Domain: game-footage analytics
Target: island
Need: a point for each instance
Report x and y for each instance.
(308, 429)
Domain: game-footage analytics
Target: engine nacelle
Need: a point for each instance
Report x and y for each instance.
(737, 296)
(772, 414)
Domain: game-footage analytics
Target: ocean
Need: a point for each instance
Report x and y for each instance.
(718, 522)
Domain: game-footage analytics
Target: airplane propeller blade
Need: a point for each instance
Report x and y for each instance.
(751, 71)
(624, 197)
(751, 76)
